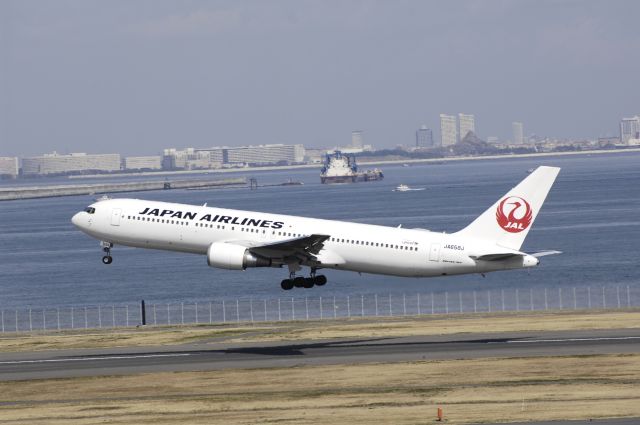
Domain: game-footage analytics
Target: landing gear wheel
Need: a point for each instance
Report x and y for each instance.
(308, 283)
(286, 284)
(320, 280)
(299, 282)
(107, 259)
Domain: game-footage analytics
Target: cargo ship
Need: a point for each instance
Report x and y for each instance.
(342, 168)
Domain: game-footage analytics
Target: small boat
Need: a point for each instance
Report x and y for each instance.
(405, 188)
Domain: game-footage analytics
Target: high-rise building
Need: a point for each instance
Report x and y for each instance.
(8, 166)
(264, 154)
(518, 133)
(448, 130)
(357, 139)
(629, 129)
(467, 124)
(424, 137)
(55, 163)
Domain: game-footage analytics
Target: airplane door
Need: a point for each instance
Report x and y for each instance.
(115, 216)
(434, 252)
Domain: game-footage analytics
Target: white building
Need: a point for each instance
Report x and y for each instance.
(55, 163)
(188, 159)
(357, 139)
(448, 130)
(467, 124)
(629, 129)
(518, 133)
(8, 166)
(492, 140)
(264, 154)
(143, 162)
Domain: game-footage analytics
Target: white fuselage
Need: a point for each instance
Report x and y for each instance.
(351, 246)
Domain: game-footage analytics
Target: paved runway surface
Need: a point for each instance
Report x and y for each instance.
(624, 421)
(212, 356)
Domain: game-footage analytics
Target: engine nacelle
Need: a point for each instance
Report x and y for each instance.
(233, 257)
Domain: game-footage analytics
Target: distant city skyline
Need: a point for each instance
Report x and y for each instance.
(136, 77)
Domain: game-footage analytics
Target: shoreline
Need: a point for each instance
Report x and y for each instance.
(380, 162)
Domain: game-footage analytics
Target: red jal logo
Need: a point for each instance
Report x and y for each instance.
(514, 214)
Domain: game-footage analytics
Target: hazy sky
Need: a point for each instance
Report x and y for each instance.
(137, 76)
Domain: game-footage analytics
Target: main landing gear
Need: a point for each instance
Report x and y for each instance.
(303, 282)
(106, 247)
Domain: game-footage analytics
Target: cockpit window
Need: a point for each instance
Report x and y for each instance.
(90, 210)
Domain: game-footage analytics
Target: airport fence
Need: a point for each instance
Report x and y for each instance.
(319, 307)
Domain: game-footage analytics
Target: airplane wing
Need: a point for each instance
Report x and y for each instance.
(303, 248)
(506, 255)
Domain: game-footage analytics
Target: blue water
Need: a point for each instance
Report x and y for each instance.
(591, 214)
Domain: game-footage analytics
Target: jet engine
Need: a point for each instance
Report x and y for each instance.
(233, 257)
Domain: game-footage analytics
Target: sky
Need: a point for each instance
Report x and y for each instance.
(137, 76)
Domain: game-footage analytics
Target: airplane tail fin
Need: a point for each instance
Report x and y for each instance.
(508, 221)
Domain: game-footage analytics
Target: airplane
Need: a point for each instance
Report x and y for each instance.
(238, 240)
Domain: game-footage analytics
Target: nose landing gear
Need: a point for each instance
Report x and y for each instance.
(106, 247)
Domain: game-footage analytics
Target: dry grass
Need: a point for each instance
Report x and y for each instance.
(470, 391)
(341, 328)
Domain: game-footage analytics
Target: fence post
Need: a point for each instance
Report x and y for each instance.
(390, 310)
(589, 296)
(155, 318)
(126, 309)
(475, 302)
(433, 305)
(265, 309)
(404, 304)
(293, 309)
(321, 313)
(181, 314)
(618, 295)
(30, 322)
(604, 300)
(306, 306)
(628, 297)
(224, 311)
(2, 321)
(335, 307)
(560, 298)
(575, 300)
(196, 307)
(168, 315)
(251, 308)
(517, 299)
(489, 300)
(502, 298)
(348, 306)
(237, 310)
(99, 317)
(143, 313)
(362, 304)
(44, 319)
(57, 316)
(16, 320)
(546, 301)
(71, 317)
(113, 315)
(279, 312)
(86, 319)
(419, 312)
(460, 300)
(446, 302)
(531, 297)
(376, 298)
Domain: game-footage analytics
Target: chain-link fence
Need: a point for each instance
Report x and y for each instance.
(318, 307)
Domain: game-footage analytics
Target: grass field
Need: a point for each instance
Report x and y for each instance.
(340, 328)
(469, 391)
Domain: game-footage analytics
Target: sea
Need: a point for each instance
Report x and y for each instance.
(592, 215)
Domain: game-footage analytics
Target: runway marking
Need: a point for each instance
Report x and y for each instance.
(84, 359)
(533, 341)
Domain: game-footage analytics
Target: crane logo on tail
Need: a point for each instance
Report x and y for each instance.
(514, 214)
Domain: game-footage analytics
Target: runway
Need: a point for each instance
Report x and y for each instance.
(223, 355)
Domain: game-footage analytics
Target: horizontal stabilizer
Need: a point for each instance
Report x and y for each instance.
(545, 253)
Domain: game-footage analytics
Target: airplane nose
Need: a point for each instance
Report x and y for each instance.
(76, 219)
